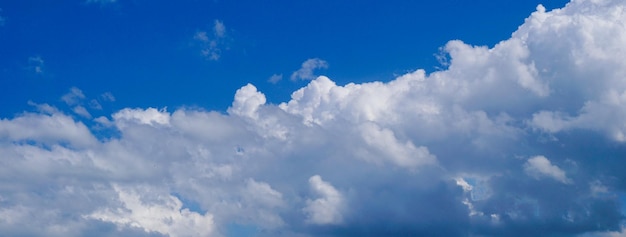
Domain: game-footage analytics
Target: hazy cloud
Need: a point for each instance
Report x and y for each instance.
(306, 72)
(212, 43)
(35, 64)
(275, 78)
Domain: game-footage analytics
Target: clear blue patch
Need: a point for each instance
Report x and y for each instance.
(189, 204)
(238, 230)
(622, 198)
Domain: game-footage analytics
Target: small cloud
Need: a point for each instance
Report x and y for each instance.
(94, 104)
(219, 29)
(107, 96)
(73, 97)
(80, 110)
(275, 78)
(212, 44)
(104, 121)
(36, 64)
(308, 66)
(540, 166)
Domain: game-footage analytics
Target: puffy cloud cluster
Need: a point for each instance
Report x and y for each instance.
(522, 139)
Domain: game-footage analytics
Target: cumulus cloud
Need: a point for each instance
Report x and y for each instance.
(212, 43)
(164, 215)
(306, 72)
(440, 154)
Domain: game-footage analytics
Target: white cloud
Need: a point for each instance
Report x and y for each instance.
(540, 166)
(50, 129)
(385, 144)
(308, 67)
(327, 208)
(393, 151)
(247, 102)
(150, 116)
(164, 215)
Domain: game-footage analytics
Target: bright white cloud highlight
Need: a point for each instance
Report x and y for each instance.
(327, 208)
(164, 215)
(150, 116)
(540, 166)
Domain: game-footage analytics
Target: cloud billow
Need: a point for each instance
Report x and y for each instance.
(522, 139)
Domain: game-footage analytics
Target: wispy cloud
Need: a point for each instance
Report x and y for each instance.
(275, 78)
(107, 96)
(73, 97)
(306, 72)
(36, 64)
(212, 42)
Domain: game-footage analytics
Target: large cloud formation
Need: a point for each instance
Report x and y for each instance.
(522, 139)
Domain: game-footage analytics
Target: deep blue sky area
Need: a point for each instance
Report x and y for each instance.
(144, 52)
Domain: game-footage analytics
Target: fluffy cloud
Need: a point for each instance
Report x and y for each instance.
(444, 154)
(164, 216)
(327, 208)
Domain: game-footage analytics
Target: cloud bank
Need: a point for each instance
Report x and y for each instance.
(522, 139)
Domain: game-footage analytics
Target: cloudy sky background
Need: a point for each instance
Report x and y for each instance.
(105, 132)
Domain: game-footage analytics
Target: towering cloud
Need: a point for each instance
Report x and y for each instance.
(522, 139)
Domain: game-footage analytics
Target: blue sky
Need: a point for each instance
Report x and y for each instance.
(312, 118)
(141, 50)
